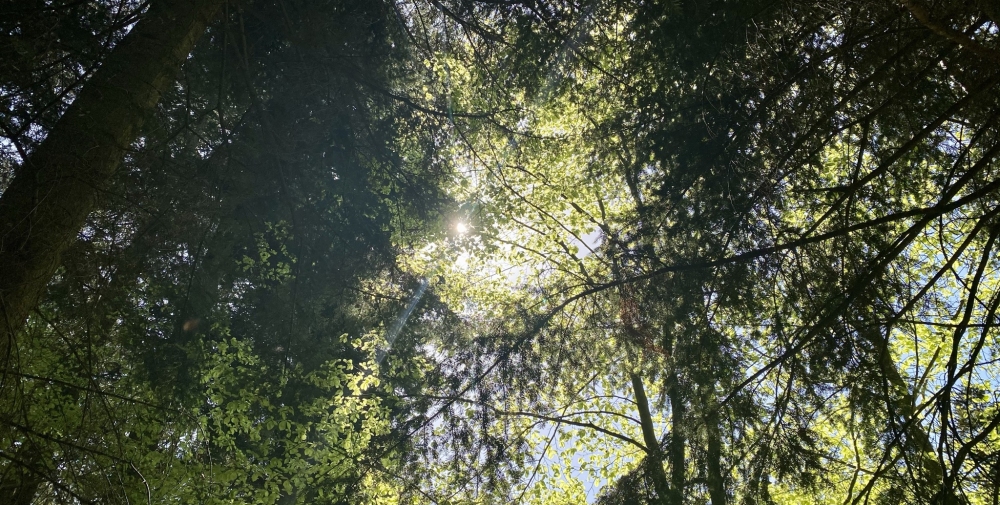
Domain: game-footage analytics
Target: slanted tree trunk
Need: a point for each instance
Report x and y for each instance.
(654, 456)
(934, 476)
(55, 189)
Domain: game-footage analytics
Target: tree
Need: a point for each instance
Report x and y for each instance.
(700, 253)
(778, 187)
(210, 333)
(56, 186)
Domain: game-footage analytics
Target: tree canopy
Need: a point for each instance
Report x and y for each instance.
(457, 251)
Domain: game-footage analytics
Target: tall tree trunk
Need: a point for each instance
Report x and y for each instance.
(654, 456)
(713, 437)
(677, 441)
(56, 188)
(713, 456)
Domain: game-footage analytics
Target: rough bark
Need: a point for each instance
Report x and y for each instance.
(48, 202)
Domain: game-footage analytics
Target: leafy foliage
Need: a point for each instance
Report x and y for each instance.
(793, 201)
(641, 252)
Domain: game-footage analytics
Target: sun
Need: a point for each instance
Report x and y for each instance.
(461, 228)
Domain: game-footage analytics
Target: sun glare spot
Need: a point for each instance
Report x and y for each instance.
(462, 228)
